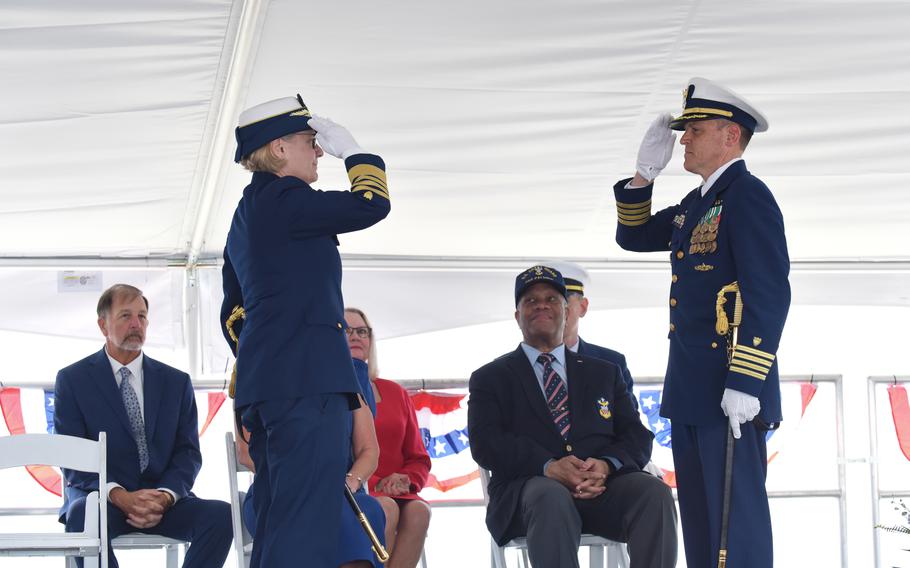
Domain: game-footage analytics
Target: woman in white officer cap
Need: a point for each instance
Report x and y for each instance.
(295, 383)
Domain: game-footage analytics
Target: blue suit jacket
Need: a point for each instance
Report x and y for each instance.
(750, 248)
(281, 263)
(615, 357)
(513, 435)
(87, 401)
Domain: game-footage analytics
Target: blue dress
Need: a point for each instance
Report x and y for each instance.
(353, 543)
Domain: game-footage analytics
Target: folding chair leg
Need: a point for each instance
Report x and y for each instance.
(171, 552)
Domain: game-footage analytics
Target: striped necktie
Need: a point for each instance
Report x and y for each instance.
(557, 395)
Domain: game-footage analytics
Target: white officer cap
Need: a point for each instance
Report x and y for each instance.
(260, 124)
(576, 277)
(706, 100)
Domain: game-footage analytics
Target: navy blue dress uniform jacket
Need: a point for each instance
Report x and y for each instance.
(750, 248)
(615, 357)
(281, 263)
(513, 435)
(87, 401)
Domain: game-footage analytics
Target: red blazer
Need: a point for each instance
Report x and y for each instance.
(401, 447)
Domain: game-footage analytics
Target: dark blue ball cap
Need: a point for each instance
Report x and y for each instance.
(535, 275)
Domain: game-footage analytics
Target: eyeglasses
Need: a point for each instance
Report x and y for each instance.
(362, 332)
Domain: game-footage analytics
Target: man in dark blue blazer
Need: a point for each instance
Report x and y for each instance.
(148, 411)
(564, 443)
(726, 234)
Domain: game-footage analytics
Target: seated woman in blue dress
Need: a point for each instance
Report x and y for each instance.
(354, 549)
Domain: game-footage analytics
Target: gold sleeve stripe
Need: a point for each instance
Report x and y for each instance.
(747, 372)
(635, 217)
(753, 366)
(633, 214)
(759, 360)
(368, 187)
(756, 352)
(634, 207)
(632, 223)
(368, 177)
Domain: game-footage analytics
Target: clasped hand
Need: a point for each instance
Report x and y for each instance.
(585, 479)
(143, 508)
(394, 485)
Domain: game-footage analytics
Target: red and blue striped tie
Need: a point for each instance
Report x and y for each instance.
(557, 395)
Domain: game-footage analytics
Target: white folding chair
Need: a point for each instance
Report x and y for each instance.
(243, 542)
(616, 555)
(72, 453)
(141, 541)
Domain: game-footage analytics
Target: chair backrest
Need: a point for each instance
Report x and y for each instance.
(241, 535)
(68, 452)
(484, 482)
(51, 449)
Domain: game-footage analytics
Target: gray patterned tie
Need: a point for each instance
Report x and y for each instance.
(131, 402)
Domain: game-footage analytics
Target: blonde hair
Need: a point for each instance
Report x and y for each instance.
(263, 159)
(372, 358)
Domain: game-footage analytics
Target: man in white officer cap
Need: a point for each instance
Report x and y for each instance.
(726, 234)
(577, 279)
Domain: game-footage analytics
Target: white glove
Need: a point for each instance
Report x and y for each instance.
(739, 407)
(334, 138)
(656, 147)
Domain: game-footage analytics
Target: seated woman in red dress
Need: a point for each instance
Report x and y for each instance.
(403, 460)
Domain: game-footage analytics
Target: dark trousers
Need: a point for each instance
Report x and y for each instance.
(636, 508)
(698, 456)
(205, 523)
(300, 448)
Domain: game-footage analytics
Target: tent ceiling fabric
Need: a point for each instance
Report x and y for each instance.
(503, 124)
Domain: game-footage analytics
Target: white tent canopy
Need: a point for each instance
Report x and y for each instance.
(504, 126)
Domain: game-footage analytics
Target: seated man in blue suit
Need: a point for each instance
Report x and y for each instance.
(149, 413)
(564, 443)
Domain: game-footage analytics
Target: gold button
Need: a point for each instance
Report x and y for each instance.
(675, 278)
(672, 302)
(568, 447)
(672, 327)
(713, 345)
(680, 254)
(339, 325)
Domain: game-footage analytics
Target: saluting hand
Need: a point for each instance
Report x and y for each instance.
(656, 148)
(334, 138)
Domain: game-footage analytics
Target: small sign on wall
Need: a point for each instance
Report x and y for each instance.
(74, 281)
